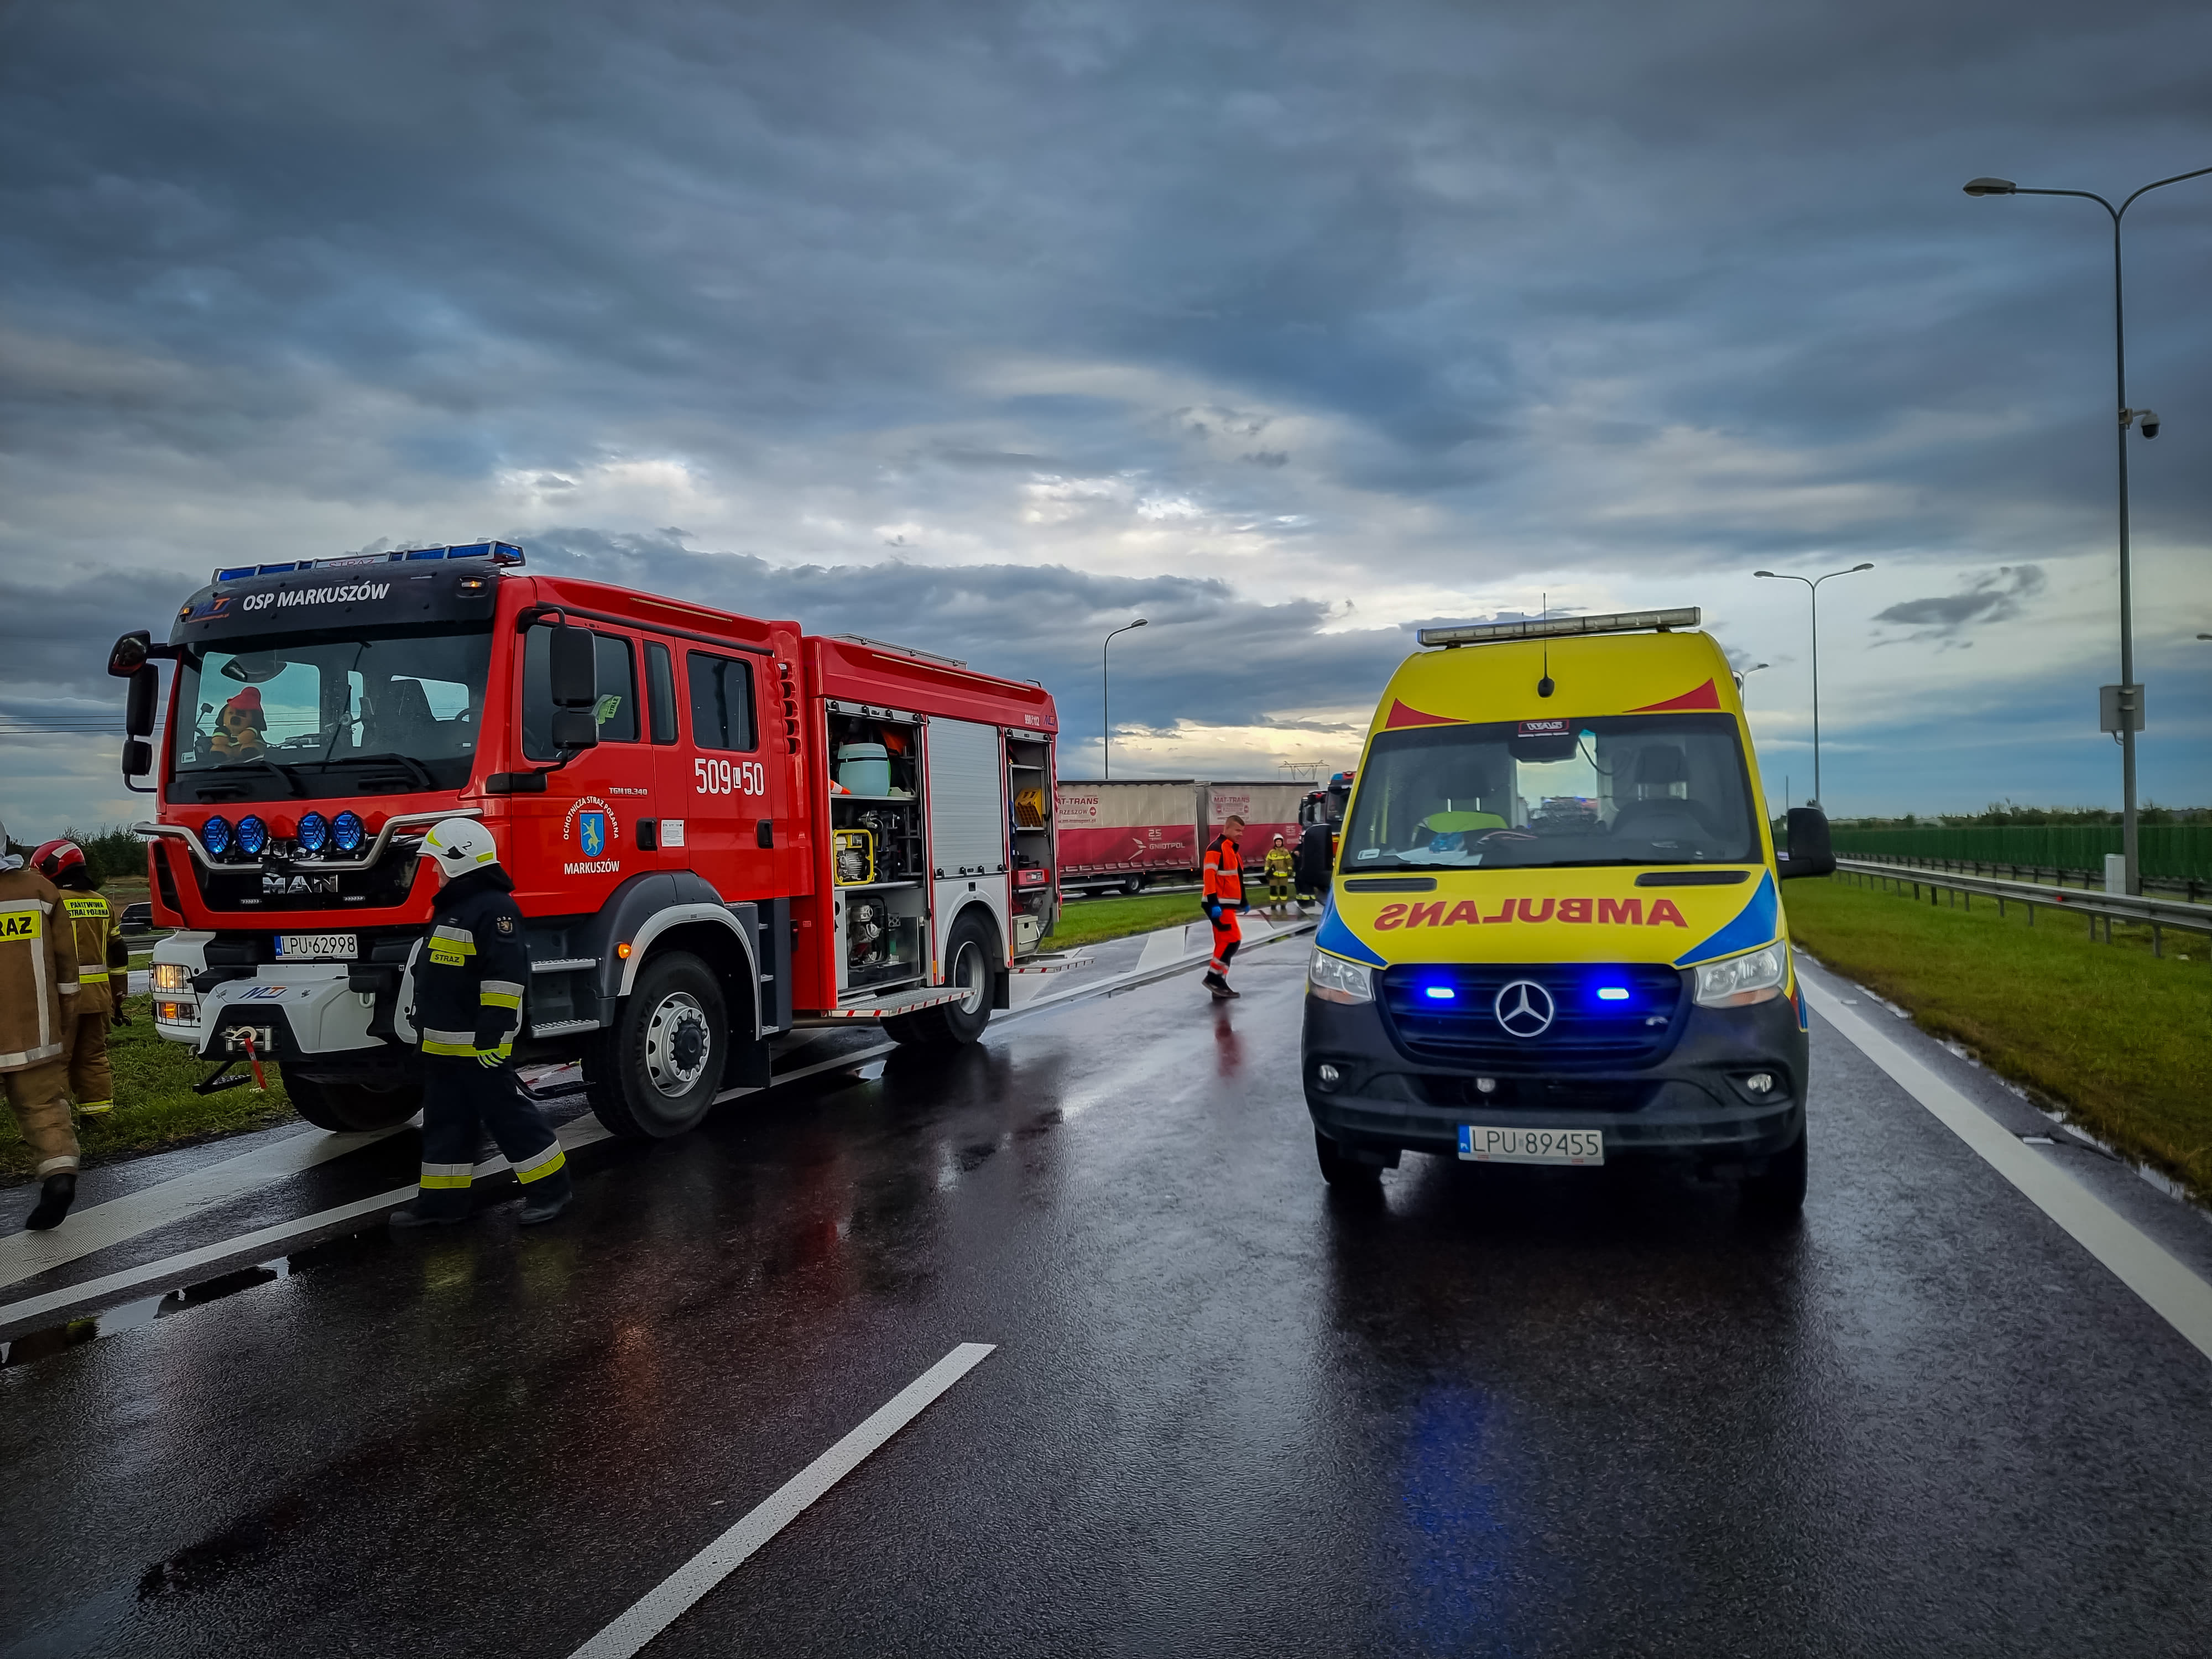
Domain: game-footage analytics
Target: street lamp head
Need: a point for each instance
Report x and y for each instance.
(1139, 623)
(1855, 568)
(1991, 187)
(1762, 573)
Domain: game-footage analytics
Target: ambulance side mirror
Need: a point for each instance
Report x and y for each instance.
(1810, 852)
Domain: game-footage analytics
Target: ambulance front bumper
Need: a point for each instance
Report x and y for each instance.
(1703, 1098)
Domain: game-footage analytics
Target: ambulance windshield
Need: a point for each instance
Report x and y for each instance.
(304, 717)
(1612, 789)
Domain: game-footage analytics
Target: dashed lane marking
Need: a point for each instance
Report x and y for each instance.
(2175, 1293)
(677, 1594)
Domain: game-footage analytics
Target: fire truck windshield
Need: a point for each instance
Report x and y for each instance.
(308, 717)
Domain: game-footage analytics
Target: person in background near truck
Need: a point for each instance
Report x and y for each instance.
(1222, 892)
(468, 1007)
(1279, 874)
(38, 999)
(103, 973)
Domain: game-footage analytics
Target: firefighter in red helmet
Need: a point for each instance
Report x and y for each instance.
(103, 974)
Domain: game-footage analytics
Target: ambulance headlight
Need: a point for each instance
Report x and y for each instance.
(1738, 981)
(1334, 980)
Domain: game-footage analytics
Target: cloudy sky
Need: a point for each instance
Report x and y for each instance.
(988, 327)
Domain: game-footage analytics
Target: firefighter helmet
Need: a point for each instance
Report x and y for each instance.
(55, 859)
(459, 845)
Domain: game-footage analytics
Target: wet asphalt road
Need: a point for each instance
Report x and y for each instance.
(1508, 1412)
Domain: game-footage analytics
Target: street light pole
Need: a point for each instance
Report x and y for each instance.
(1105, 710)
(1812, 586)
(2130, 709)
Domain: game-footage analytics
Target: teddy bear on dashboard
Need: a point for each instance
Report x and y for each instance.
(240, 727)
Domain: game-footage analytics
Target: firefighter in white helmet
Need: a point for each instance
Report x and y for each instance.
(468, 1009)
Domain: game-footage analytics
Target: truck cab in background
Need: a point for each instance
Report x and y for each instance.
(719, 827)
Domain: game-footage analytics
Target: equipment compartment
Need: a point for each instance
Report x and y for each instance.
(1036, 896)
(878, 859)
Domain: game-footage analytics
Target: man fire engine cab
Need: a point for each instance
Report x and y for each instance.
(719, 829)
(1555, 934)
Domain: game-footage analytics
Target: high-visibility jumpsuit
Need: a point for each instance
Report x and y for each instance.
(468, 1008)
(38, 991)
(103, 972)
(1279, 875)
(1221, 891)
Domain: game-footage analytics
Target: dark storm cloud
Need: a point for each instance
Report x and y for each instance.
(1995, 595)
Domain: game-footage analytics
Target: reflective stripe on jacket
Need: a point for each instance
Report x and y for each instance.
(38, 970)
(469, 986)
(1222, 880)
(101, 953)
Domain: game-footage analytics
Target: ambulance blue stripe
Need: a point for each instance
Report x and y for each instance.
(1339, 941)
(1754, 925)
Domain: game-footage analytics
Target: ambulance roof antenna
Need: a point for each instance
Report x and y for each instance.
(1545, 686)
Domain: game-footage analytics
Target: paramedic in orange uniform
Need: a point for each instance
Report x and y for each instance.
(1222, 893)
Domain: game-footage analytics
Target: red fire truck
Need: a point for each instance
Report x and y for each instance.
(719, 828)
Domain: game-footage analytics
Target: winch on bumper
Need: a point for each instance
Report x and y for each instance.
(1626, 1052)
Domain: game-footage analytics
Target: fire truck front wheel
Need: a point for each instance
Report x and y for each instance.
(969, 967)
(655, 1073)
(350, 1108)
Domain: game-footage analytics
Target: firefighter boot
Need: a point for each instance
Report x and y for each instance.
(1218, 986)
(434, 1206)
(54, 1200)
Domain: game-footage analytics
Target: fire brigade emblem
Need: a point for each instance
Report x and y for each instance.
(505, 924)
(591, 825)
(591, 833)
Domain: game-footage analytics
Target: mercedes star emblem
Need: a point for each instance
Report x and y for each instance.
(1524, 1008)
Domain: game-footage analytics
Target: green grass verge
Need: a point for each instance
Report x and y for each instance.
(154, 1105)
(1093, 922)
(2120, 1040)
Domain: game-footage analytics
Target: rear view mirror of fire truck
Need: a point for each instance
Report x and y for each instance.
(573, 677)
(129, 654)
(138, 705)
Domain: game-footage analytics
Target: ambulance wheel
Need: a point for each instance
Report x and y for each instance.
(1343, 1172)
(655, 1073)
(350, 1108)
(1779, 1193)
(967, 967)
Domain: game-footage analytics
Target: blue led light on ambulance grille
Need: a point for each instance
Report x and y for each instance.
(314, 831)
(1440, 992)
(252, 835)
(1612, 994)
(214, 835)
(347, 830)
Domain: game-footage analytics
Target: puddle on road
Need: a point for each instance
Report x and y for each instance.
(44, 1344)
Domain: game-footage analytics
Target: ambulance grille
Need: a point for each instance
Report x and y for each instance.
(1588, 1031)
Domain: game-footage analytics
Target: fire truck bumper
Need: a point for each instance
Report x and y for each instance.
(291, 1010)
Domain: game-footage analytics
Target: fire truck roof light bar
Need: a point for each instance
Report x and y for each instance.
(500, 553)
(1552, 627)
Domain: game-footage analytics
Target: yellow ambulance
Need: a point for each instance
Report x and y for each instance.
(1555, 934)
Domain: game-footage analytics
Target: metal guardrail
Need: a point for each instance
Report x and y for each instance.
(2107, 908)
(2189, 887)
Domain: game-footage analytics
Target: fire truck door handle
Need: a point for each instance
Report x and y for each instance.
(764, 832)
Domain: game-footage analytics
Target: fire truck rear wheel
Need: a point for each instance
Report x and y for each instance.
(350, 1108)
(968, 966)
(656, 1073)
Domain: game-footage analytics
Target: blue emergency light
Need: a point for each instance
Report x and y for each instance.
(347, 830)
(500, 553)
(252, 835)
(214, 835)
(1440, 992)
(314, 831)
(1612, 994)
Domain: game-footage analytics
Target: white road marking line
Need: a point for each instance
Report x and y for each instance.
(95, 1227)
(681, 1590)
(583, 1131)
(2174, 1293)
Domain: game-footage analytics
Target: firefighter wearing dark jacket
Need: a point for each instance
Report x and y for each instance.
(468, 1009)
(1221, 891)
(103, 973)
